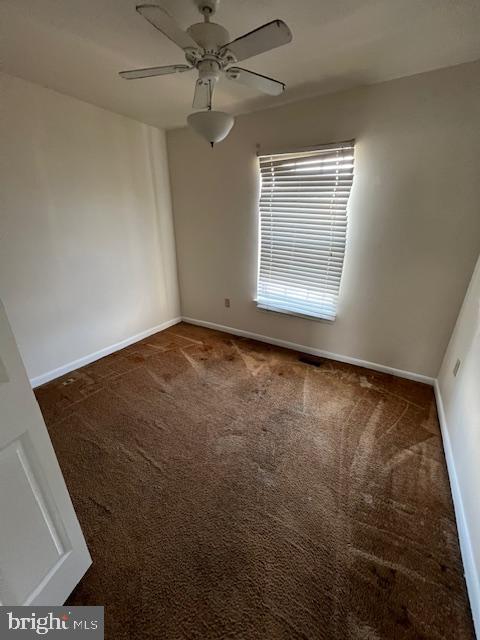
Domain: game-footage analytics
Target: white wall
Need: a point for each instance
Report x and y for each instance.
(460, 410)
(414, 223)
(87, 253)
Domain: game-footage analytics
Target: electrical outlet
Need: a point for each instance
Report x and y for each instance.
(3, 372)
(456, 367)
(227, 302)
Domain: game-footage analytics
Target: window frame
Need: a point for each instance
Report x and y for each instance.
(265, 307)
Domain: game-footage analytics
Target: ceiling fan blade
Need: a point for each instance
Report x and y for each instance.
(133, 74)
(202, 98)
(269, 36)
(160, 19)
(256, 81)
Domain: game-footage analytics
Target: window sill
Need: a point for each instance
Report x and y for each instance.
(295, 314)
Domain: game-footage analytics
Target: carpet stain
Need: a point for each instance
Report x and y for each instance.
(365, 383)
(228, 490)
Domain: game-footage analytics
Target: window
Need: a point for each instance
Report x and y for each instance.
(303, 226)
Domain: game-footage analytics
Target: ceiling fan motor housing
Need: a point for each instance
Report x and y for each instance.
(209, 35)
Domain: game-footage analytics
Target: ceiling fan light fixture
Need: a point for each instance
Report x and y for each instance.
(214, 126)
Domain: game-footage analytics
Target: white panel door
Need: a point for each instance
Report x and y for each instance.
(43, 553)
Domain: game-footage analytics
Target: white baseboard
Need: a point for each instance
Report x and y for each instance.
(472, 577)
(410, 375)
(91, 357)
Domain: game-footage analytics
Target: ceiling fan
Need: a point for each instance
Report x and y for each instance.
(208, 49)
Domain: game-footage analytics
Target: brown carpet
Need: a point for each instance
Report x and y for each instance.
(228, 490)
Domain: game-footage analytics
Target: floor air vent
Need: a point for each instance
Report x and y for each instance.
(315, 361)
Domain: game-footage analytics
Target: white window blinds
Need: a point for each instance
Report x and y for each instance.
(303, 225)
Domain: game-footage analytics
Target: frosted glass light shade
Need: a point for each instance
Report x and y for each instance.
(214, 126)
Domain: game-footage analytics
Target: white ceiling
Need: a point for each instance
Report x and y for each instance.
(78, 46)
